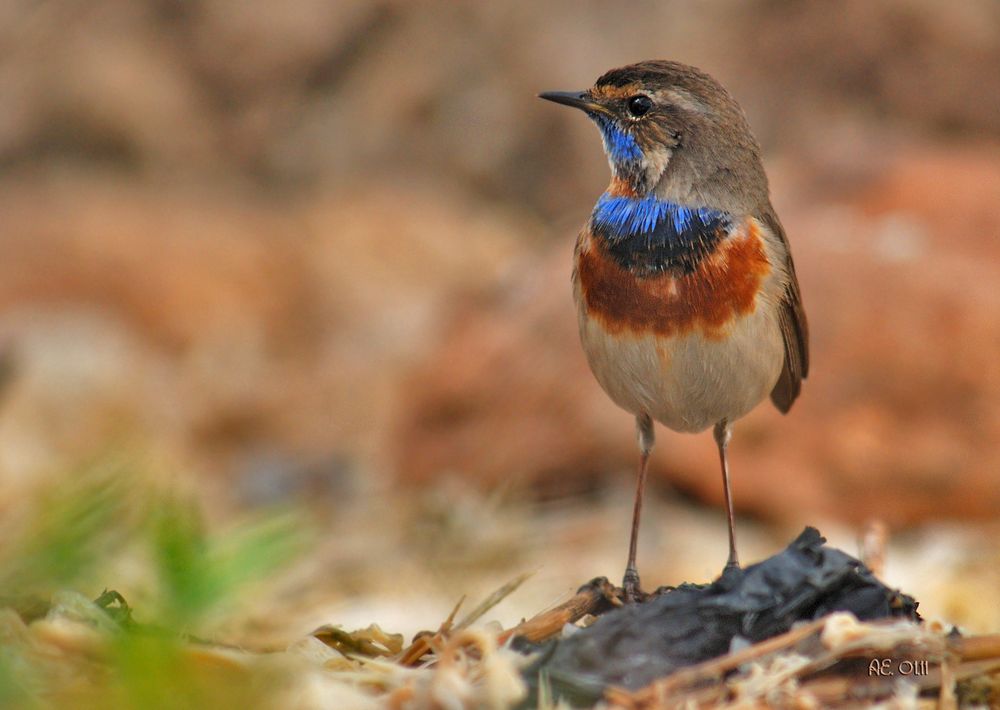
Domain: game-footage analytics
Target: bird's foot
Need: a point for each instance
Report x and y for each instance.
(631, 591)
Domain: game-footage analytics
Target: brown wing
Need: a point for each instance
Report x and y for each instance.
(794, 328)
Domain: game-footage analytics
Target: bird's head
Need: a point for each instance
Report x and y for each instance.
(672, 130)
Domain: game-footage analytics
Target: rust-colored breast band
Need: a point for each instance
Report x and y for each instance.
(723, 287)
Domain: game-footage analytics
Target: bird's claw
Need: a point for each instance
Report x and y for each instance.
(631, 591)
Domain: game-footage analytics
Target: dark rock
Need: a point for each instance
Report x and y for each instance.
(633, 645)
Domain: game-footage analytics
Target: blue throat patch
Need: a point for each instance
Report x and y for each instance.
(649, 235)
(620, 146)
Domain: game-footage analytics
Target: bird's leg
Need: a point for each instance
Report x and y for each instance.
(723, 433)
(646, 437)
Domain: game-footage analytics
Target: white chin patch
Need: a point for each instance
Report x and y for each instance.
(655, 164)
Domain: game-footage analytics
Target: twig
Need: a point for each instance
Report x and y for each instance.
(422, 643)
(975, 648)
(426, 642)
(492, 600)
(592, 598)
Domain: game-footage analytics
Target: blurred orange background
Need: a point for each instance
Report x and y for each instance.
(320, 252)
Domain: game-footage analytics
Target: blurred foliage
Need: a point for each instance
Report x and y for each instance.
(60, 538)
(74, 533)
(198, 573)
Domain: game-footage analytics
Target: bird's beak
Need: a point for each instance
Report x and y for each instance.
(577, 99)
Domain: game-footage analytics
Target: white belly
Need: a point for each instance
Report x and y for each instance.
(688, 382)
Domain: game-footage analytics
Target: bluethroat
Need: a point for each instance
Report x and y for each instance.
(688, 305)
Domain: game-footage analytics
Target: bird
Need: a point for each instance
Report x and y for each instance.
(689, 308)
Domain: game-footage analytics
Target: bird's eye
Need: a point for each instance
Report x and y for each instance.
(639, 105)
